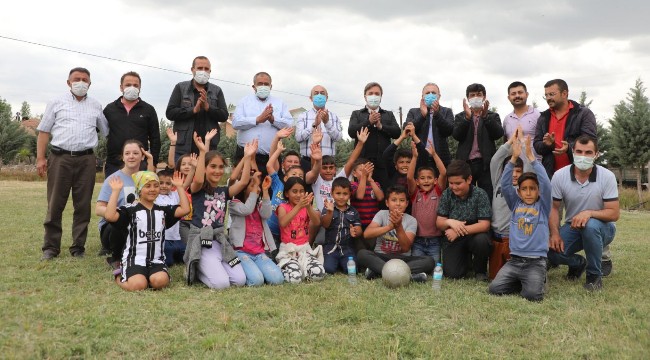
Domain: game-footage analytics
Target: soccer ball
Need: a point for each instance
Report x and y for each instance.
(396, 273)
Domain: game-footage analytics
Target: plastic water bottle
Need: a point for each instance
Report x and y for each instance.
(352, 271)
(437, 277)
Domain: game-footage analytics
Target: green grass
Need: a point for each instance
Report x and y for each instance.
(70, 308)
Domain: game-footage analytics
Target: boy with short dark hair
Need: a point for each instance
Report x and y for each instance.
(342, 224)
(174, 247)
(399, 159)
(464, 215)
(530, 205)
(366, 192)
(394, 231)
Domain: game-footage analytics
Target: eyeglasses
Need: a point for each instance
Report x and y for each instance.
(549, 95)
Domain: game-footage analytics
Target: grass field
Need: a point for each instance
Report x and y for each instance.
(69, 308)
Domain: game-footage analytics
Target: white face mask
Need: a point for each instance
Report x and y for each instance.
(80, 88)
(583, 162)
(475, 102)
(262, 92)
(201, 77)
(131, 93)
(373, 101)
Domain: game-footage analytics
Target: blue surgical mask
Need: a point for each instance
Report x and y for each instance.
(430, 98)
(373, 101)
(262, 92)
(583, 162)
(319, 100)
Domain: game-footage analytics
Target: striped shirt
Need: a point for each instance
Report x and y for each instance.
(368, 207)
(331, 132)
(74, 124)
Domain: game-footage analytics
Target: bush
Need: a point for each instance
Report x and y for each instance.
(629, 199)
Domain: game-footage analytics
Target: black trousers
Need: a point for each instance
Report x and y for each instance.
(459, 254)
(481, 175)
(375, 261)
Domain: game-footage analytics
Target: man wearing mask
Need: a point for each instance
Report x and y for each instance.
(590, 196)
(259, 116)
(196, 106)
(476, 129)
(433, 124)
(73, 120)
(130, 117)
(381, 125)
(321, 118)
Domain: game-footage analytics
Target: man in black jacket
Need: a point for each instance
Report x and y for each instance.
(433, 123)
(477, 129)
(381, 125)
(130, 117)
(196, 105)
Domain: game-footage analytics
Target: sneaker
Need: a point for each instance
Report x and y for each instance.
(79, 254)
(114, 264)
(104, 252)
(575, 273)
(481, 277)
(47, 255)
(370, 274)
(593, 283)
(606, 267)
(421, 277)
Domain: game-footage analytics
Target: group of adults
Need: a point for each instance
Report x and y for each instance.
(197, 105)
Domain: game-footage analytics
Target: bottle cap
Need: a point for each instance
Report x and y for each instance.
(350, 258)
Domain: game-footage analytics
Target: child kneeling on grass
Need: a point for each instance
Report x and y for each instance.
(525, 272)
(143, 257)
(174, 246)
(250, 234)
(298, 219)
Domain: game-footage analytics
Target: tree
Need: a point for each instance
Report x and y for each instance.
(606, 157)
(631, 131)
(163, 125)
(343, 150)
(25, 110)
(228, 147)
(12, 136)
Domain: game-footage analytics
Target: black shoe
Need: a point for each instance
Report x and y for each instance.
(104, 252)
(606, 267)
(421, 277)
(575, 273)
(79, 254)
(371, 274)
(114, 264)
(593, 283)
(48, 255)
(481, 277)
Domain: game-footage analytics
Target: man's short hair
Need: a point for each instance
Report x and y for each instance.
(373, 84)
(200, 57)
(402, 153)
(559, 82)
(475, 88)
(79, 69)
(290, 153)
(261, 73)
(166, 172)
(585, 139)
(397, 189)
(517, 84)
(342, 183)
(131, 73)
(459, 168)
(430, 84)
(527, 176)
(328, 160)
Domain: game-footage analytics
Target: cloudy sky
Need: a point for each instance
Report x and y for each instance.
(600, 47)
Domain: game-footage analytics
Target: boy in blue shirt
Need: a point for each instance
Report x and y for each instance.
(530, 204)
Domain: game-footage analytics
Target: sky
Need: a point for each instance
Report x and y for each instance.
(600, 47)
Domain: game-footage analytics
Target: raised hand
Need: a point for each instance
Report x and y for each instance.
(362, 135)
(146, 154)
(194, 160)
(409, 129)
(280, 147)
(329, 204)
(317, 136)
(210, 134)
(178, 180)
(516, 149)
(173, 137)
(284, 132)
(266, 184)
(115, 183)
(529, 149)
(250, 149)
(467, 109)
(199, 143)
(430, 149)
(414, 149)
(316, 151)
(369, 169)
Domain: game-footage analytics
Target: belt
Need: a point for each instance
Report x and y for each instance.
(58, 151)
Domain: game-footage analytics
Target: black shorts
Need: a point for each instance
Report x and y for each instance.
(147, 271)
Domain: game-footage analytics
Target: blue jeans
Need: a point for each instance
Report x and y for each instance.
(427, 246)
(593, 238)
(259, 268)
(526, 276)
(174, 251)
(338, 259)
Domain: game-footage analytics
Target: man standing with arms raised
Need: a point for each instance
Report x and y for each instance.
(73, 121)
(260, 116)
(196, 106)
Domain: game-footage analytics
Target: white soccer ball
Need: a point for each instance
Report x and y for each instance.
(396, 273)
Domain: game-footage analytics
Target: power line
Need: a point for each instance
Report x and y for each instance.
(154, 67)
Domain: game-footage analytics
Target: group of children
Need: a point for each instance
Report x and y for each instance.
(258, 230)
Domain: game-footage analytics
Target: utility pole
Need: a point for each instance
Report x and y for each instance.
(400, 117)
